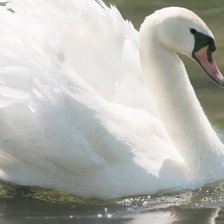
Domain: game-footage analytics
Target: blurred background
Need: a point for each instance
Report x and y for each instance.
(210, 95)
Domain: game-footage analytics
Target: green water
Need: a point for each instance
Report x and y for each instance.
(205, 206)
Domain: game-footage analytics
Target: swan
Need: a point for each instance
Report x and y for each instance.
(90, 106)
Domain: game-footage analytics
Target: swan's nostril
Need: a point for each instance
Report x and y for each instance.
(209, 55)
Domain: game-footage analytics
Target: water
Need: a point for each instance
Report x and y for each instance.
(206, 205)
(35, 205)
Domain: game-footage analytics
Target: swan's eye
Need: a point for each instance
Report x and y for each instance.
(193, 31)
(202, 40)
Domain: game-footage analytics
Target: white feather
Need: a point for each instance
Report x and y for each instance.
(76, 113)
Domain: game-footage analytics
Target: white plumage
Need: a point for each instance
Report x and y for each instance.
(77, 113)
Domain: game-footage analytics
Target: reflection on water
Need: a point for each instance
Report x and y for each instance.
(203, 216)
(35, 205)
(206, 216)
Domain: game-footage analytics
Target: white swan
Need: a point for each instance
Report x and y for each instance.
(79, 115)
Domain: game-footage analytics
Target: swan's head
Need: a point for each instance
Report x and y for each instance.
(182, 31)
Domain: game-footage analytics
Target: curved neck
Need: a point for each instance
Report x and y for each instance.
(178, 106)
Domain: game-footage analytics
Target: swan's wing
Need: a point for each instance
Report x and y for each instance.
(98, 44)
(70, 79)
(36, 131)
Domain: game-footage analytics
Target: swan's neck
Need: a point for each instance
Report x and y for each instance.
(178, 106)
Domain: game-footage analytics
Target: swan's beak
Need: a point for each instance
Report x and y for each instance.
(206, 59)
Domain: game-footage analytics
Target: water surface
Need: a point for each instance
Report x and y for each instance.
(35, 205)
(205, 205)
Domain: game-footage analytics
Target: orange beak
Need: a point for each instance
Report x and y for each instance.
(205, 58)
